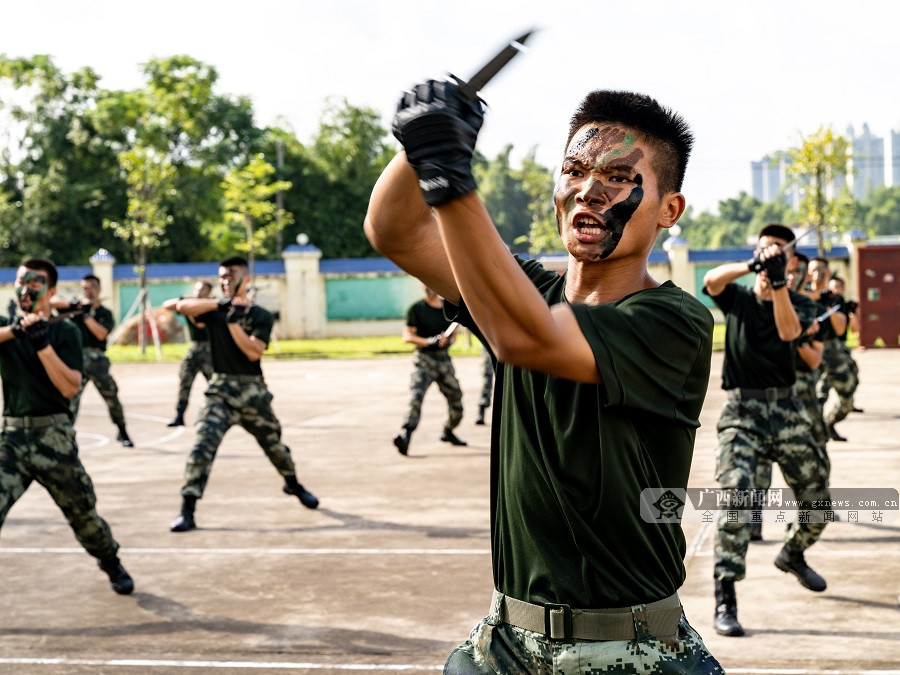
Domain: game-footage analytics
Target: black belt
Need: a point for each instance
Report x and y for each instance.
(767, 394)
(35, 422)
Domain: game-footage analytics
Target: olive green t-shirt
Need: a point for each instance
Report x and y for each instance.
(227, 357)
(102, 316)
(197, 333)
(427, 321)
(570, 460)
(755, 356)
(27, 389)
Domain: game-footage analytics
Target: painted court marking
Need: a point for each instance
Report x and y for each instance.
(282, 665)
(178, 431)
(272, 551)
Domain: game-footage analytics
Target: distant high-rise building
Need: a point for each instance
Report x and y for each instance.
(868, 162)
(866, 170)
(769, 177)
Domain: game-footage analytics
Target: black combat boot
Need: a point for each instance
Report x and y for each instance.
(792, 561)
(185, 519)
(119, 579)
(449, 437)
(401, 440)
(480, 418)
(292, 487)
(834, 435)
(179, 418)
(123, 437)
(726, 622)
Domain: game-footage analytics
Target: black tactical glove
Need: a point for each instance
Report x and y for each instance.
(774, 268)
(852, 306)
(38, 334)
(438, 125)
(235, 313)
(18, 330)
(224, 304)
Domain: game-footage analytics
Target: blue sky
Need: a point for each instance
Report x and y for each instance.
(750, 77)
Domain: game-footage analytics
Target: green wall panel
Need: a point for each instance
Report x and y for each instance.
(370, 297)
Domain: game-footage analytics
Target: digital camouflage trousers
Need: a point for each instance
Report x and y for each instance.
(49, 456)
(781, 432)
(198, 359)
(487, 381)
(435, 367)
(96, 370)
(805, 386)
(839, 372)
(230, 400)
(497, 647)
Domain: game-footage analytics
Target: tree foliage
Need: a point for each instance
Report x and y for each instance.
(815, 165)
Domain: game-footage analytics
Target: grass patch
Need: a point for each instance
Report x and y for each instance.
(331, 348)
(348, 348)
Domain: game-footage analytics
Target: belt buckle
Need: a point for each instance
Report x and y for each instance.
(771, 394)
(550, 607)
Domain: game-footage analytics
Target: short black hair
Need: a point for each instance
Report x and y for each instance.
(666, 131)
(45, 266)
(206, 284)
(837, 279)
(802, 257)
(778, 230)
(91, 277)
(234, 261)
(819, 259)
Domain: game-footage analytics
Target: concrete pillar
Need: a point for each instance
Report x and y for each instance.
(102, 263)
(680, 271)
(303, 310)
(855, 239)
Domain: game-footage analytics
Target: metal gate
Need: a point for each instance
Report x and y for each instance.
(879, 295)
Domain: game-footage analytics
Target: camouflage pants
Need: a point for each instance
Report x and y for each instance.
(497, 647)
(230, 400)
(779, 431)
(487, 381)
(839, 371)
(198, 359)
(49, 456)
(96, 370)
(436, 367)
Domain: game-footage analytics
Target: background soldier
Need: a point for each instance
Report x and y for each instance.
(836, 286)
(41, 366)
(806, 373)
(426, 329)
(838, 371)
(197, 359)
(96, 322)
(487, 384)
(239, 333)
(762, 416)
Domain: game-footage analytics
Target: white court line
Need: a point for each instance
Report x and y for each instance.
(819, 552)
(273, 551)
(100, 439)
(284, 665)
(275, 665)
(698, 541)
(140, 416)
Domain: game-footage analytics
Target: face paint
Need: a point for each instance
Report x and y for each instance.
(619, 215)
(31, 288)
(230, 280)
(599, 168)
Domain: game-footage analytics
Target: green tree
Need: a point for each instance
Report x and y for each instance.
(150, 178)
(882, 212)
(505, 199)
(65, 180)
(248, 193)
(537, 183)
(814, 165)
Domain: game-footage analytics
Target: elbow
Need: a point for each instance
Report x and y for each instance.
(790, 335)
(370, 227)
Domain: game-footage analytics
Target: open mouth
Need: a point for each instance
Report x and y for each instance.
(588, 228)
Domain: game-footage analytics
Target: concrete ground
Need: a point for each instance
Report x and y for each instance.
(393, 569)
